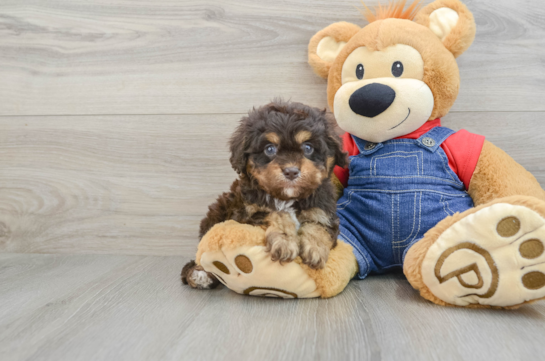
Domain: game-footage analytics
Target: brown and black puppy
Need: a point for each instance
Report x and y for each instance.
(284, 154)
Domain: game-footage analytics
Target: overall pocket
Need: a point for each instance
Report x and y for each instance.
(406, 221)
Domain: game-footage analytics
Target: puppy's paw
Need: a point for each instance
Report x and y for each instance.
(315, 244)
(196, 277)
(314, 254)
(282, 247)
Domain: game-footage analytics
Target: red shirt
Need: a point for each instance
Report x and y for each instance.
(462, 149)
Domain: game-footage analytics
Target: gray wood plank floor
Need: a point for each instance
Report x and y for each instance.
(105, 307)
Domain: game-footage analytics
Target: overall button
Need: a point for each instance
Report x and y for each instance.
(428, 142)
(369, 146)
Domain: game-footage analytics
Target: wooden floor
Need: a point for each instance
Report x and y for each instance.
(115, 307)
(114, 117)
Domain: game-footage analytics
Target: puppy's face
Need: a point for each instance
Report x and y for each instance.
(287, 148)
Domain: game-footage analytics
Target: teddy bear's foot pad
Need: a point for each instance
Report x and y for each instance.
(249, 270)
(494, 257)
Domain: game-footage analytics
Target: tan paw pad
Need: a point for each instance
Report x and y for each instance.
(249, 270)
(492, 257)
(531, 248)
(244, 264)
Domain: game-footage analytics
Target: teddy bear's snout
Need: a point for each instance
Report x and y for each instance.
(372, 99)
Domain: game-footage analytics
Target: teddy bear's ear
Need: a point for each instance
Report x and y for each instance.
(326, 44)
(451, 21)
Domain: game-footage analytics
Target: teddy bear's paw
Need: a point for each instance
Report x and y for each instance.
(282, 247)
(492, 257)
(196, 277)
(250, 270)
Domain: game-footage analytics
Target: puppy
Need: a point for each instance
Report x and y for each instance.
(284, 154)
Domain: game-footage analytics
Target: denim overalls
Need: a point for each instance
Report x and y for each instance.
(397, 190)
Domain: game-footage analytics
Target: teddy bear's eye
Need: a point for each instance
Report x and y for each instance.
(359, 71)
(397, 69)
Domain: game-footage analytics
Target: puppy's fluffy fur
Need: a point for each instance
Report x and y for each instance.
(284, 154)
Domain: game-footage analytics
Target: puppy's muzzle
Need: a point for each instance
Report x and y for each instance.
(372, 99)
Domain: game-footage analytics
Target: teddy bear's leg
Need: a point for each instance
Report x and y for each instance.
(340, 268)
(250, 270)
(489, 256)
(236, 254)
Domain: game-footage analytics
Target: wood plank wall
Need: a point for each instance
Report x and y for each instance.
(114, 115)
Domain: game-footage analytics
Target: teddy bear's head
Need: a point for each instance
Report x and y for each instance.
(388, 78)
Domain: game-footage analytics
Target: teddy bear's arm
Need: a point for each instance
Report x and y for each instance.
(339, 188)
(498, 175)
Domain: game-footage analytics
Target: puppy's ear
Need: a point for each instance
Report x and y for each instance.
(334, 143)
(237, 146)
(335, 146)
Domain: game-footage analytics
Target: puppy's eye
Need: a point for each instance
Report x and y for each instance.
(359, 71)
(307, 148)
(270, 150)
(397, 69)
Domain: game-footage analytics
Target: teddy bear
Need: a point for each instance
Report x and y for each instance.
(460, 217)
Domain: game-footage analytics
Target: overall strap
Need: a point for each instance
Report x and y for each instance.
(434, 138)
(366, 147)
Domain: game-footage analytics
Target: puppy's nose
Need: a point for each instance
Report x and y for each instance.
(291, 173)
(372, 99)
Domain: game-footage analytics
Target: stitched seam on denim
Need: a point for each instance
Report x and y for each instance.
(398, 217)
(440, 141)
(446, 168)
(361, 149)
(448, 207)
(437, 132)
(444, 209)
(407, 248)
(447, 134)
(399, 151)
(393, 224)
(419, 216)
(443, 203)
(355, 139)
(396, 214)
(348, 240)
(364, 152)
(407, 191)
(397, 156)
(345, 203)
(395, 152)
(409, 176)
(373, 163)
(414, 219)
(405, 140)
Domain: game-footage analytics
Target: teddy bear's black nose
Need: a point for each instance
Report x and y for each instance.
(372, 99)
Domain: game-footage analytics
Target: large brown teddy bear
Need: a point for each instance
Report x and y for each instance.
(462, 218)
